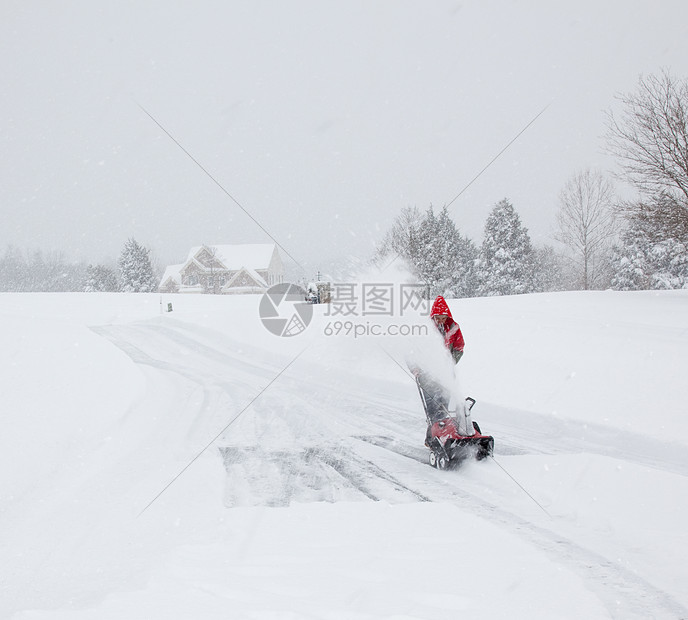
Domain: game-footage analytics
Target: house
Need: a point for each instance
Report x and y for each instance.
(225, 269)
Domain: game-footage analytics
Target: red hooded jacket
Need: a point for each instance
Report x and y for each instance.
(453, 338)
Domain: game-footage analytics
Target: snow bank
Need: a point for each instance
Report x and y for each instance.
(612, 358)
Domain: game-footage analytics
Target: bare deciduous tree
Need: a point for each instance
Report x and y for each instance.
(650, 139)
(586, 223)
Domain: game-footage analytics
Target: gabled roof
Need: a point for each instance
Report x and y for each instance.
(249, 255)
(251, 273)
(172, 272)
(189, 263)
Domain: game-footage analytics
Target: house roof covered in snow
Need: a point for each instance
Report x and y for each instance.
(252, 273)
(172, 271)
(249, 255)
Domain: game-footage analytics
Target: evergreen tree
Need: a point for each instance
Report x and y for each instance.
(630, 261)
(641, 261)
(440, 257)
(671, 265)
(135, 269)
(507, 261)
(460, 256)
(426, 251)
(99, 279)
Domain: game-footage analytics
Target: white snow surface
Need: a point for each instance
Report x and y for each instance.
(190, 464)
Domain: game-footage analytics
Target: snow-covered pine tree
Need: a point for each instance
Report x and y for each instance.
(100, 279)
(507, 261)
(632, 271)
(135, 269)
(439, 255)
(425, 252)
(643, 262)
(671, 265)
(458, 256)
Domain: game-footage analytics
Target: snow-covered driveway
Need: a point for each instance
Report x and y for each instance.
(326, 434)
(249, 480)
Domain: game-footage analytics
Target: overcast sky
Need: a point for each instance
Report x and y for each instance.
(321, 118)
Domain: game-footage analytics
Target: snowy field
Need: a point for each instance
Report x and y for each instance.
(190, 464)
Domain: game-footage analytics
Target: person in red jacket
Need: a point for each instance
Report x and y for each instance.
(448, 327)
(435, 396)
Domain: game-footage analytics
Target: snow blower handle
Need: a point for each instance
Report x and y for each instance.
(471, 402)
(422, 395)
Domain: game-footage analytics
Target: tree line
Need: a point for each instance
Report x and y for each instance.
(607, 243)
(52, 272)
(451, 264)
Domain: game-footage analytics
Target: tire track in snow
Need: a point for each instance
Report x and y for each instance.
(312, 474)
(625, 594)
